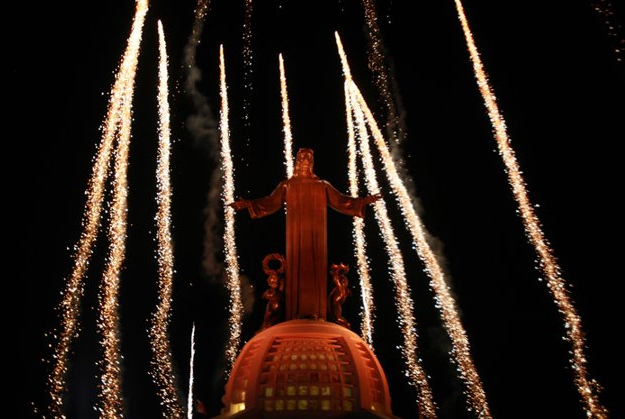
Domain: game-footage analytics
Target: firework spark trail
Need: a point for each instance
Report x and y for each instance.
(69, 307)
(191, 368)
(360, 250)
(108, 320)
(201, 9)
(403, 298)
(232, 263)
(162, 371)
(247, 62)
(405, 306)
(288, 136)
(444, 300)
(376, 58)
(587, 388)
(605, 9)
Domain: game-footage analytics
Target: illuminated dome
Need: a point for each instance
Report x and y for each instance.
(308, 368)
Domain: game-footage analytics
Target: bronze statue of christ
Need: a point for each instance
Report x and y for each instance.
(307, 198)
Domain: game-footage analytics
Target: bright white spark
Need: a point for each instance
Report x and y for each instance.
(162, 371)
(191, 368)
(232, 263)
(588, 389)
(69, 307)
(286, 121)
(360, 250)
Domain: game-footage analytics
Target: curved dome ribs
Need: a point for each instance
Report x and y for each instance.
(308, 367)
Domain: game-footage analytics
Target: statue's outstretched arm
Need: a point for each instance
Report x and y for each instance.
(261, 207)
(348, 205)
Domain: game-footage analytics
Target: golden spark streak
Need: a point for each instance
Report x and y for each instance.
(375, 59)
(191, 368)
(587, 388)
(288, 136)
(444, 300)
(162, 371)
(405, 306)
(69, 307)
(108, 322)
(360, 251)
(232, 263)
(403, 298)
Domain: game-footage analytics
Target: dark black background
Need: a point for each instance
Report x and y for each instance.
(561, 91)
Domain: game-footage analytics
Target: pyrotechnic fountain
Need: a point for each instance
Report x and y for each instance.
(305, 359)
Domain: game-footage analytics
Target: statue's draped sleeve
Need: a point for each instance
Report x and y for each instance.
(345, 204)
(267, 205)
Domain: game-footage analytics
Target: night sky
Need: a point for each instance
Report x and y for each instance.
(561, 91)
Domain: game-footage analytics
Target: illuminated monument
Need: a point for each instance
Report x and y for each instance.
(310, 364)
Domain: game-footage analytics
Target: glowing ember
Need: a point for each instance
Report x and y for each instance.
(232, 263)
(587, 388)
(614, 29)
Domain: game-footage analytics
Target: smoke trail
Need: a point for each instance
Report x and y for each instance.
(162, 371)
(191, 368)
(202, 126)
(588, 389)
(444, 300)
(615, 31)
(288, 136)
(69, 307)
(360, 251)
(232, 263)
(403, 299)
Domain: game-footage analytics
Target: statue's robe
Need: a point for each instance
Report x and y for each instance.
(306, 271)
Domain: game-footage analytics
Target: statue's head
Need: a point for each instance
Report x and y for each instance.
(304, 162)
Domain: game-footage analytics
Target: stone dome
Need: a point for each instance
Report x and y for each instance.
(307, 368)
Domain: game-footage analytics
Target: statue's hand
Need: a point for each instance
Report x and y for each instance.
(240, 204)
(373, 198)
